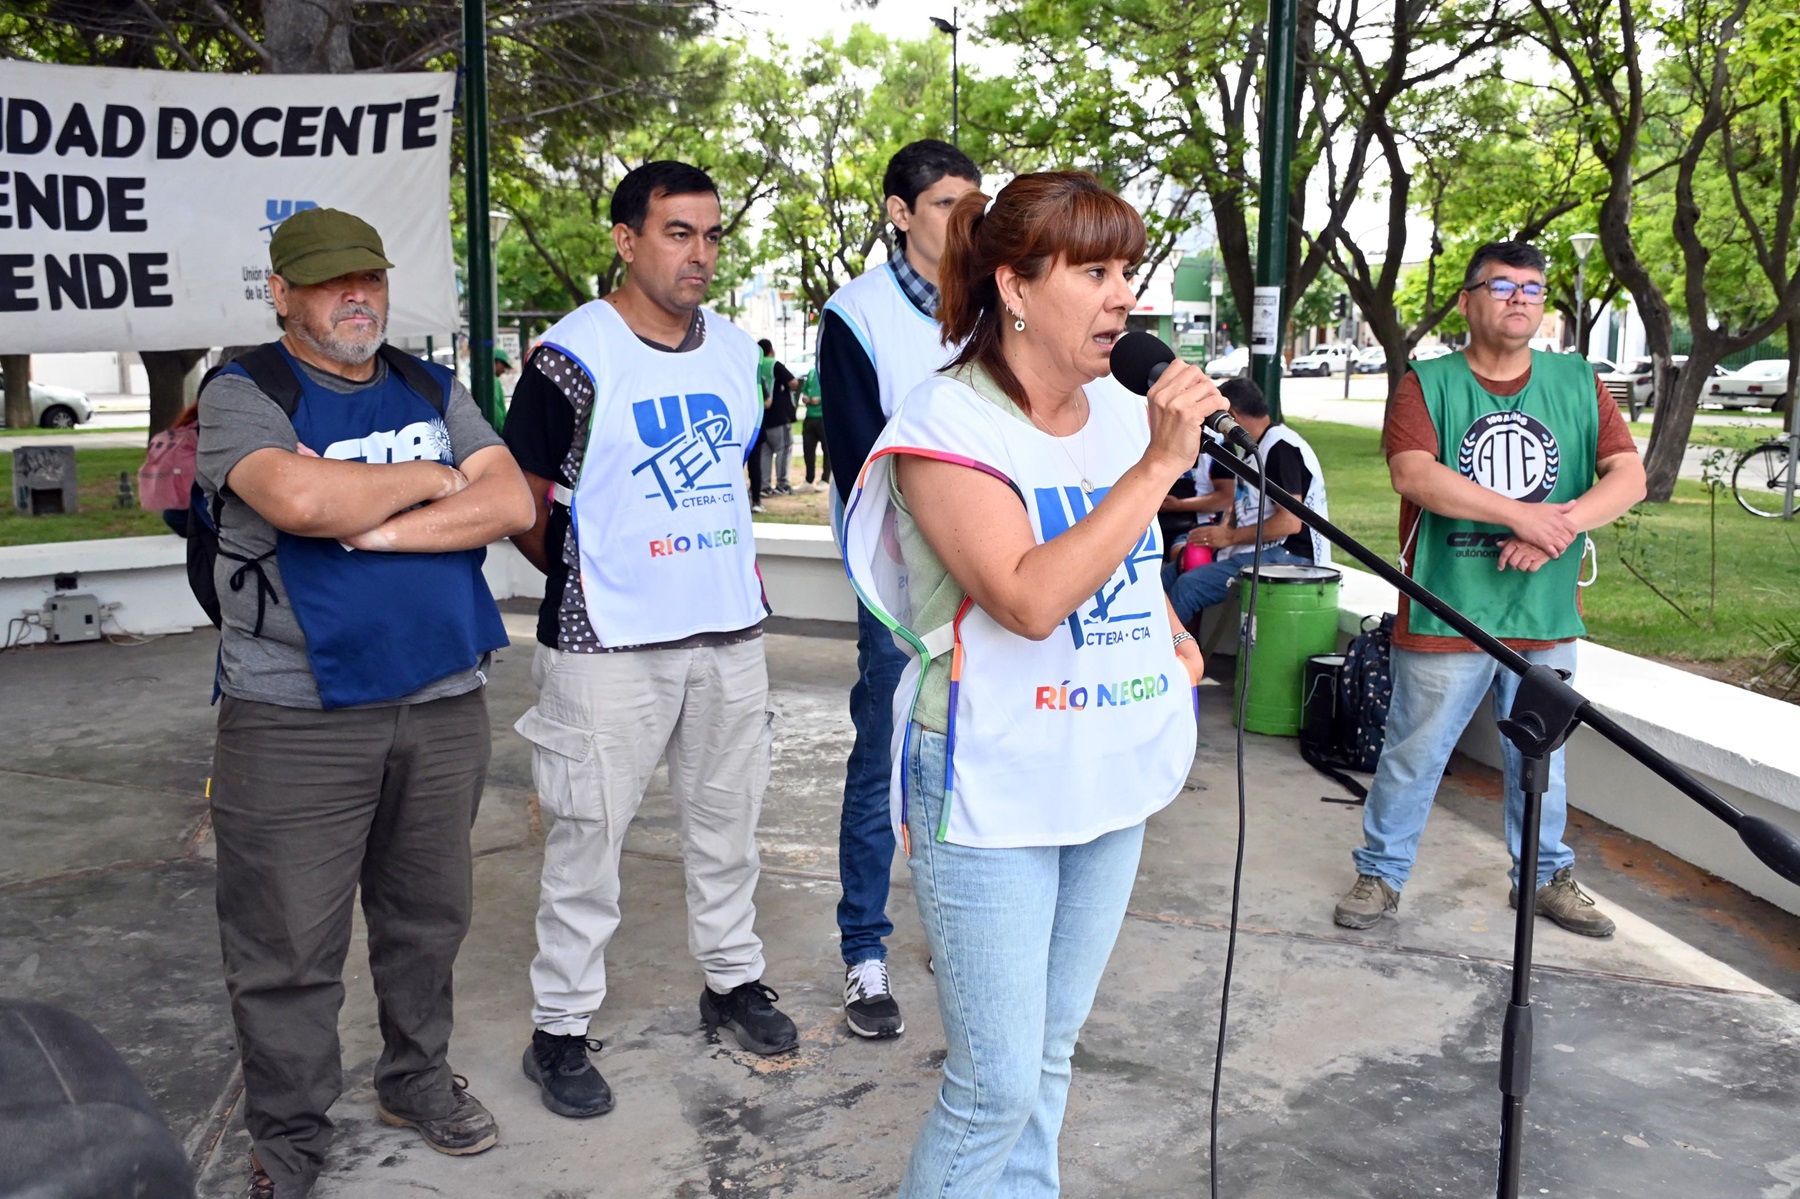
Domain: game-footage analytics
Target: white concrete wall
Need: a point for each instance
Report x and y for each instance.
(146, 578)
(1744, 746)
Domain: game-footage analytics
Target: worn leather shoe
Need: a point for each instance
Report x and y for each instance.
(468, 1128)
(1366, 902)
(1568, 905)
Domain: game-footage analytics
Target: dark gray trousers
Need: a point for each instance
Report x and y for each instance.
(306, 806)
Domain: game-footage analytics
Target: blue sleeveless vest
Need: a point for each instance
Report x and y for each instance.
(379, 626)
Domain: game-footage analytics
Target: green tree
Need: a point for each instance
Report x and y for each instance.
(1711, 122)
(558, 72)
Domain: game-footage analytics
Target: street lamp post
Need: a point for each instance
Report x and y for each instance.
(1583, 244)
(953, 28)
(475, 195)
(497, 223)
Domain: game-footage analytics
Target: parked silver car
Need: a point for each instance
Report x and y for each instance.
(1762, 384)
(55, 407)
(1631, 383)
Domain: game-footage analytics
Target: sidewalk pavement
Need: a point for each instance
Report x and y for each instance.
(1359, 1064)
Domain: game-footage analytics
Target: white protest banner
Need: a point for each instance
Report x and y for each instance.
(136, 206)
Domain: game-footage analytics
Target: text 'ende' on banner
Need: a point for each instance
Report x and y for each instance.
(136, 206)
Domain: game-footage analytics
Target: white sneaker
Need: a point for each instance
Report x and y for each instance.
(869, 1005)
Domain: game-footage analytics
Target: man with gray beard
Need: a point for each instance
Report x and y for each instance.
(354, 489)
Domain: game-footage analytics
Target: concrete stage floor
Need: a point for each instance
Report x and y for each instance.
(1359, 1064)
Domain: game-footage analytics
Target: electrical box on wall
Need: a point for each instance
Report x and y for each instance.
(72, 618)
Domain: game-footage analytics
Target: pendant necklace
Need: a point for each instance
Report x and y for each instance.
(1086, 486)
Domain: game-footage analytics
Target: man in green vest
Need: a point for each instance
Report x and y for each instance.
(1504, 458)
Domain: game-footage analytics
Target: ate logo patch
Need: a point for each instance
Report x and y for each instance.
(1513, 453)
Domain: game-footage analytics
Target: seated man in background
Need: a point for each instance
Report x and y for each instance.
(1291, 465)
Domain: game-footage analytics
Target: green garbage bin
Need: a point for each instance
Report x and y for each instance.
(1296, 617)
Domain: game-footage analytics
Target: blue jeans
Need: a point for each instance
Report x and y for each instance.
(1204, 586)
(865, 832)
(1434, 697)
(1019, 938)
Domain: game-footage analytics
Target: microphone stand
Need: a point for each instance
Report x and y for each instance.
(1544, 713)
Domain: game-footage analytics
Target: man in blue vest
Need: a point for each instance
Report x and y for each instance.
(632, 421)
(1504, 457)
(878, 340)
(354, 489)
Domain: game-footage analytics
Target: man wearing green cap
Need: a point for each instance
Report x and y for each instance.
(502, 364)
(353, 489)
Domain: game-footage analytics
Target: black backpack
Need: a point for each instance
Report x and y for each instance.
(268, 368)
(1346, 717)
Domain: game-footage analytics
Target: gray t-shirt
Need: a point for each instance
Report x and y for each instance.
(236, 420)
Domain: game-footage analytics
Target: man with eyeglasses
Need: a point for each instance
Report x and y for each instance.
(1504, 457)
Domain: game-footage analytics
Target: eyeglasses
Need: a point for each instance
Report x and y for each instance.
(1505, 289)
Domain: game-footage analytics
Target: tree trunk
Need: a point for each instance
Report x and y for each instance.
(308, 36)
(173, 383)
(1793, 388)
(18, 390)
(1675, 415)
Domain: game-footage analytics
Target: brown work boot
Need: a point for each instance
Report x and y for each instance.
(261, 1185)
(1567, 904)
(469, 1128)
(1367, 902)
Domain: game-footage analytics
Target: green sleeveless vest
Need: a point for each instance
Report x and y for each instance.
(1537, 446)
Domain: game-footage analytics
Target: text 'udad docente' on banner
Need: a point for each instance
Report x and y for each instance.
(136, 206)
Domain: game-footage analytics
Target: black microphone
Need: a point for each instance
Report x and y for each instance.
(1139, 360)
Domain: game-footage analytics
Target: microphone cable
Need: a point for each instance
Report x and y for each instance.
(1246, 646)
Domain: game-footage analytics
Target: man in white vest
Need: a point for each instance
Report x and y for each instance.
(879, 339)
(632, 422)
(1290, 464)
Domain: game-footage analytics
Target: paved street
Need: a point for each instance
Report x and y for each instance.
(1360, 1064)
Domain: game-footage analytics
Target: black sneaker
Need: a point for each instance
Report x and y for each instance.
(469, 1128)
(749, 1011)
(569, 1084)
(869, 1005)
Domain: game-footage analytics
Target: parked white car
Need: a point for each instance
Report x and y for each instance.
(1427, 353)
(1372, 360)
(1631, 383)
(1762, 384)
(1229, 365)
(1322, 360)
(56, 407)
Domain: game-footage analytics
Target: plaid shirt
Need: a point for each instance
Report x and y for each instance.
(918, 289)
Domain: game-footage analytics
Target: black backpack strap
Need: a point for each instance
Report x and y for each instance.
(415, 375)
(268, 368)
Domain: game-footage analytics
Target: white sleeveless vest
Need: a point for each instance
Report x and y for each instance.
(1053, 742)
(1314, 498)
(905, 346)
(661, 511)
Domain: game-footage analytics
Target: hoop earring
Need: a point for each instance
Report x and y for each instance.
(1018, 323)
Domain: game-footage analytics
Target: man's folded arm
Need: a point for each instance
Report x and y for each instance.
(324, 497)
(495, 504)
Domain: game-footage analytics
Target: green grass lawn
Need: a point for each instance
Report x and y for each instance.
(1757, 569)
(1758, 560)
(34, 431)
(98, 513)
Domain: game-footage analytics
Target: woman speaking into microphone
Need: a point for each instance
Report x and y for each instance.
(1005, 529)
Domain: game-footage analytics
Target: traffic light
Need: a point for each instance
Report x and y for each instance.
(1340, 307)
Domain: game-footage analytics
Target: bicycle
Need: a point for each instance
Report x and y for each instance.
(1763, 479)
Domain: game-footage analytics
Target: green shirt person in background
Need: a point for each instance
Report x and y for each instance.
(765, 375)
(812, 428)
(502, 364)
